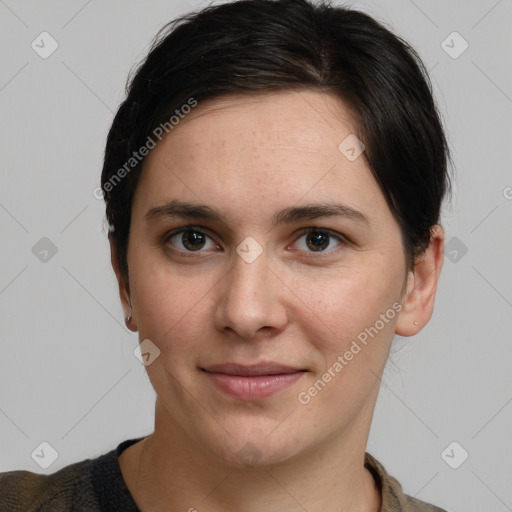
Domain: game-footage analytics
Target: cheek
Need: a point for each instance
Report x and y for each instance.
(344, 306)
(173, 309)
(353, 337)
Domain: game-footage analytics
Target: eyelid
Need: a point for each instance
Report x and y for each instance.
(189, 227)
(313, 229)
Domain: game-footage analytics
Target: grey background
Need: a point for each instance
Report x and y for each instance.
(68, 375)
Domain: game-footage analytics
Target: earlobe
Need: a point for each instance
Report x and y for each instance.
(418, 302)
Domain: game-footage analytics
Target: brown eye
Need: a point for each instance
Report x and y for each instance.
(190, 240)
(318, 240)
(193, 240)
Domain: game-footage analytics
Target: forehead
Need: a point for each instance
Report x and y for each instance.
(304, 121)
(269, 150)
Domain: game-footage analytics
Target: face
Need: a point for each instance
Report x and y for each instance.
(274, 303)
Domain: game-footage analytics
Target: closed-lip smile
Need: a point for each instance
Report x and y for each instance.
(252, 382)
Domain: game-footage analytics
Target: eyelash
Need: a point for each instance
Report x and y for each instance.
(305, 231)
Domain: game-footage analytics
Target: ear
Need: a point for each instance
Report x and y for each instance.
(124, 288)
(418, 303)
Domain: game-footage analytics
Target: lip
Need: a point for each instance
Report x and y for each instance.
(252, 382)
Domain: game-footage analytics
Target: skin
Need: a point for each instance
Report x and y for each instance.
(250, 157)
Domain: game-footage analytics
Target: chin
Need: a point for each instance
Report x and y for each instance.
(256, 447)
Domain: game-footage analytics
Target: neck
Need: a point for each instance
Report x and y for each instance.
(168, 471)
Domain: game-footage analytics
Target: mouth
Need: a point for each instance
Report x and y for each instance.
(252, 382)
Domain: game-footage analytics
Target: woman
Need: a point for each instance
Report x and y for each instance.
(273, 184)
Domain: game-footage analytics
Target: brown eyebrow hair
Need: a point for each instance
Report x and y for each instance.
(184, 209)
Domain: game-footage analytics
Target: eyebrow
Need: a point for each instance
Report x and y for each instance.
(187, 210)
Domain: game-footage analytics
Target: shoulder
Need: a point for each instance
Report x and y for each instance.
(415, 505)
(393, 497)
(30, 492)
(93, 485)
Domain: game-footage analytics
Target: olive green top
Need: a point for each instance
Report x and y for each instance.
(97, 485)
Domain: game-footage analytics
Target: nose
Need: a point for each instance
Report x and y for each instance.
(251, 301)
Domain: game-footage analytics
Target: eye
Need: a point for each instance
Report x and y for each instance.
(318, 240)
(191, 239)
